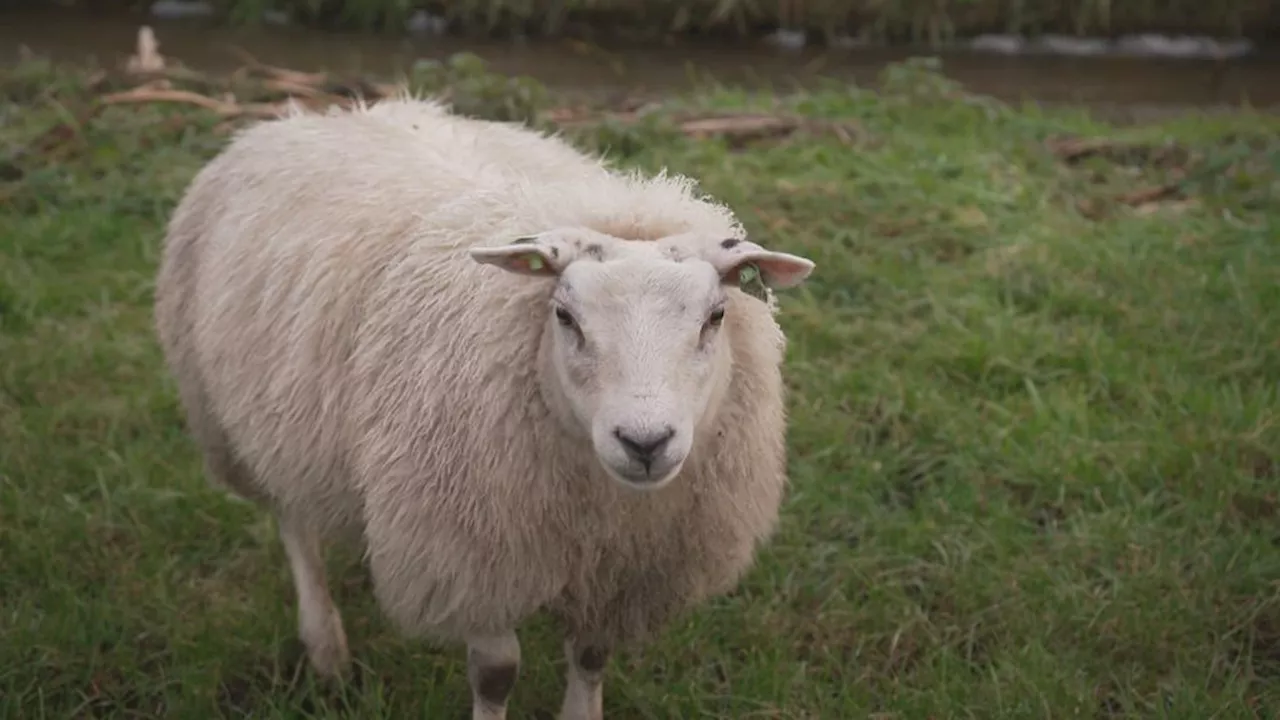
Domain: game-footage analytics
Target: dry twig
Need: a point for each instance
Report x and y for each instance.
(292, 76)
(740, 128)
(144, 94)
(1147, 195)
(1072, 149)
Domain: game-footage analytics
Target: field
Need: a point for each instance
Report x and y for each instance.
(1035, 429)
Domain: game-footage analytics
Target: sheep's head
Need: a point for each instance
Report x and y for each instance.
(634, 345)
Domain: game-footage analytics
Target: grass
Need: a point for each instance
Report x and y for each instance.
(1035, 436)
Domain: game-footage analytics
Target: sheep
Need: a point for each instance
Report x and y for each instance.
(522, 380)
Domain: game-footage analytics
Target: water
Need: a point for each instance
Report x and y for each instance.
(1128, 86)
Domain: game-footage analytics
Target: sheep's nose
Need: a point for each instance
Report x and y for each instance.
(644, 445)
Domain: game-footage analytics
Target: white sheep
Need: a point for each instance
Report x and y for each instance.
(598, 431)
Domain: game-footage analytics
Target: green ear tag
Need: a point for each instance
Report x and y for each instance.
(751, 283)
(535, 262)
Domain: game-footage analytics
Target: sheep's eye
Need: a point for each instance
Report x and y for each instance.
(564, 318)
(716, 317)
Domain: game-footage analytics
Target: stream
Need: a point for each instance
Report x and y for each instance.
(1124, 87)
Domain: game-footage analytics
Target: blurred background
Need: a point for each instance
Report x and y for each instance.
(1132, 57)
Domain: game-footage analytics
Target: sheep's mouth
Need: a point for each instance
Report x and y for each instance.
(636, 476)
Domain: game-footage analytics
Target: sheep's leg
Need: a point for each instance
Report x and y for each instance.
(493, 661)
(319, 623)
(584, 694)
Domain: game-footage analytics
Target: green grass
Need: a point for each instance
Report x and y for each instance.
(1035, 450)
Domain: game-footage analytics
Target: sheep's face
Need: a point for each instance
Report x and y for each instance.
(636, 336)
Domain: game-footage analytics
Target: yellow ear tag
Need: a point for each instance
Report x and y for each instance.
(535, 262)
(751, 283)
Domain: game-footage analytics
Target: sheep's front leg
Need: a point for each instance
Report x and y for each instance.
(319, 623)
(584, 694)
(492, 665)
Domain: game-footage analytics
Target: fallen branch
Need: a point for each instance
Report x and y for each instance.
(1125, 152)
(279, 73)
(742, 128)
(146, 94)
(268, 111)
(1144, 196)
(179, 74)
(1072, 149)
(225, 108)
(294, 88)
(738, 128)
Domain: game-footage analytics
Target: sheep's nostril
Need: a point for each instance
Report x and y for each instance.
(644, 445)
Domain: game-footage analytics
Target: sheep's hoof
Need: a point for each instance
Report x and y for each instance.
(482, 711)
(328, 654)
(330, 663)
(578, 711)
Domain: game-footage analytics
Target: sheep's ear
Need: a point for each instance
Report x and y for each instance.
(739, 262)
(524, 256)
